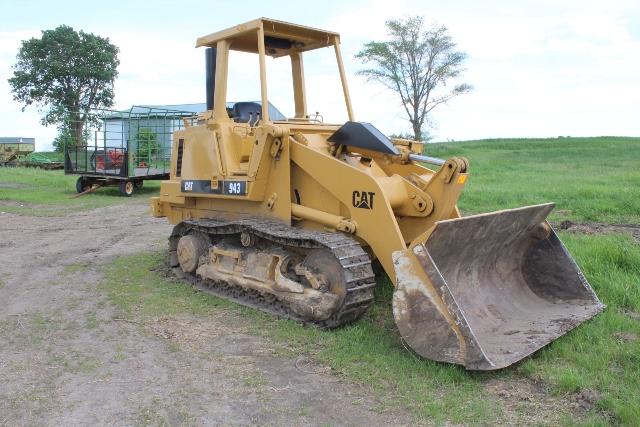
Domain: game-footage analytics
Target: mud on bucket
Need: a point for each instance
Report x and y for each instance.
(488, 290)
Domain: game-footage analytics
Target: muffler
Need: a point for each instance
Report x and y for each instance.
(487, 290)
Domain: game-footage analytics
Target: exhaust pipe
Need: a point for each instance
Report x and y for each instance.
(210, 71)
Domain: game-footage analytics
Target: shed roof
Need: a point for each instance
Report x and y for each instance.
(281, 38)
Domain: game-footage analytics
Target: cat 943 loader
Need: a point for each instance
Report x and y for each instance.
(287, 215)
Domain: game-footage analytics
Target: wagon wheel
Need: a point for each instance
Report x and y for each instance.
(82, 184)
(138, 184)
(126, 188)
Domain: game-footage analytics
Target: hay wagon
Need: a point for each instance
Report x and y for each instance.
(122, 148)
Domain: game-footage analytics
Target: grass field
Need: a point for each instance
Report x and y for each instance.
(596, 365)
(589, 179)
(35, 191)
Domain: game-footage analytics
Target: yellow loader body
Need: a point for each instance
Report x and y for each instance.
(289, 213)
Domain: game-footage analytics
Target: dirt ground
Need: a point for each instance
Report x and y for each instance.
(67, 359)
(595, 228)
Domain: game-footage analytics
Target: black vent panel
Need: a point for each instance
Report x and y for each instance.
(179, 159)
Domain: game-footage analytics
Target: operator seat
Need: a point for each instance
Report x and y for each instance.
(241, 111)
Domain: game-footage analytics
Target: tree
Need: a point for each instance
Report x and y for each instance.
(417, 63)
(65, 73)
(66, 134)
(64, 138)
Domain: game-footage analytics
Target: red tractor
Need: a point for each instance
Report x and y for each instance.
(112, 159)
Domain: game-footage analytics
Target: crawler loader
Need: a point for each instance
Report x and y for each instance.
(287, 215)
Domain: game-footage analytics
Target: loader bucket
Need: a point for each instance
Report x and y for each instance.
(488, 290)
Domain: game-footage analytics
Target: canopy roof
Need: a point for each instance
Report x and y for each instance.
(280, 38)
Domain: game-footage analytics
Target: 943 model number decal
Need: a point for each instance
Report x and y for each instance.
(229, 188)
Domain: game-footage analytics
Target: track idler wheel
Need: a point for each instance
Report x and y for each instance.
(190, 248)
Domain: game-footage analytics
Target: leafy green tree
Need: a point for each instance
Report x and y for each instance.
(418, 64)
(66, 134)
(64, 138)
(65, 73)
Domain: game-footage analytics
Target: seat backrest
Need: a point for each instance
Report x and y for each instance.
(241, 111)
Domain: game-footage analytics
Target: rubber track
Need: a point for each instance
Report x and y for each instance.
(356, 263)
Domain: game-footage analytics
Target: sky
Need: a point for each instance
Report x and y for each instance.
(539, 68)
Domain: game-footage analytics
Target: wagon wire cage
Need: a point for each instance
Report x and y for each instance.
(122, 147)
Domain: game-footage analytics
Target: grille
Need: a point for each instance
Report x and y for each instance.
(179, 160)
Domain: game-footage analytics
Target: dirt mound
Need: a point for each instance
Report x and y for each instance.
(599, 228)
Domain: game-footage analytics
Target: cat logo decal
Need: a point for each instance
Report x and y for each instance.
(363, 199)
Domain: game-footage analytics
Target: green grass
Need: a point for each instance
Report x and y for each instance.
(589, 179)
(137, 286)
(35, 191)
